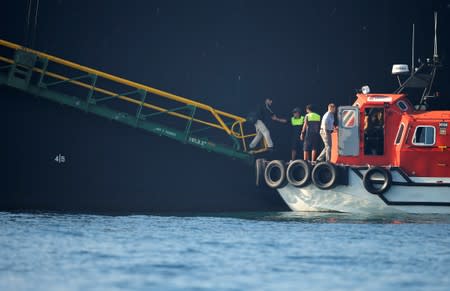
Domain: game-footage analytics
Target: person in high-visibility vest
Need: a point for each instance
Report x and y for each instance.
(297, 120)
(310, 134)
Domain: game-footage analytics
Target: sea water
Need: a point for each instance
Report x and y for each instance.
(243, 251)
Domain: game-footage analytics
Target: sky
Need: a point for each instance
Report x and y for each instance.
(233, 54)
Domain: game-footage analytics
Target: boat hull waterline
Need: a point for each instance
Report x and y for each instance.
(355, 198)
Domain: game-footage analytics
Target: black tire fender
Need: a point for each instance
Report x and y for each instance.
(324, 175)
(369, 183)
(298, 173)
(275, 174)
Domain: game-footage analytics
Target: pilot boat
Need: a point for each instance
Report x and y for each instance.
(400, 164)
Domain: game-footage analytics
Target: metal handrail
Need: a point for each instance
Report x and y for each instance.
(110, 93)
(217, 114)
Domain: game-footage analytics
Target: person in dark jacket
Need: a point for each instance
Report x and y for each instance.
(374, 132)
(263, 115)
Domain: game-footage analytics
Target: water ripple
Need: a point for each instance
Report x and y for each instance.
(224, 251)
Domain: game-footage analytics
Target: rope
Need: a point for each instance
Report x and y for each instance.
(35, 24)
(27, 23)
(31, 28)
(435, 36)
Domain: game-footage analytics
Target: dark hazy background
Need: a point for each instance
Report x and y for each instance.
(233, 54)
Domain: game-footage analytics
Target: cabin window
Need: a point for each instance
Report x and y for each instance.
(424, 136)
(399, 133)
(348, 118)
(402, 105)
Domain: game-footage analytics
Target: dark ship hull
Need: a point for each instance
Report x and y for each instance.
(55, 158)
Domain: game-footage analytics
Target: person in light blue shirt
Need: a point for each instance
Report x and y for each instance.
(326, 128)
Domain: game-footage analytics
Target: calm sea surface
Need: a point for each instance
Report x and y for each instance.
(257, 251)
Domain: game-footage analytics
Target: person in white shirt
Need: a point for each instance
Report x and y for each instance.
(326, 128)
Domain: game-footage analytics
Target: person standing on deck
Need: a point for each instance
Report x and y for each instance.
(326, 128)
(297, 121)
(310, 134)
(263, 115)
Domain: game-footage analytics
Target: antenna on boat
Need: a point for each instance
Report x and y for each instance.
(435, 53)
(412, 51)
(434, 64)
(424, 75)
